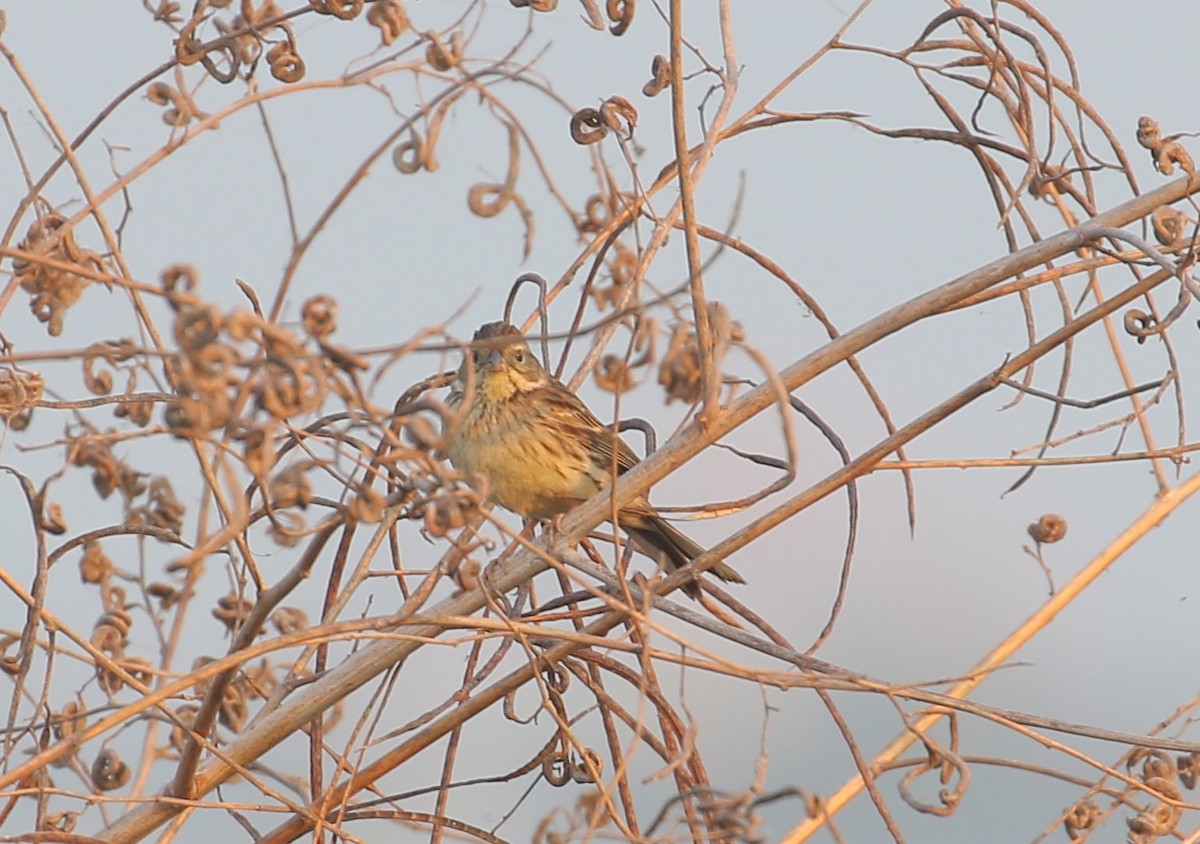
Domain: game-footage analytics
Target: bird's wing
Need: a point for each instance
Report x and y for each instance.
(600, 438)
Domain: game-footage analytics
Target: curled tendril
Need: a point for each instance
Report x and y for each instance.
(441, 57)
(947, 763)
(285, 62)
(489, 199)
(390, 18)
(597, 213)
(1049, 180)
(590, 125)
(620, 12)
(587, 127)
(1164, 152)
(173, 275)
(1140, 324)
(557, 680)
(100, 383)
(660, 76)
(409, 156)
(556, 768)
(342, 9)
(189, 50)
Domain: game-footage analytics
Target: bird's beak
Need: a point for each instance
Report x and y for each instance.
(495, 358)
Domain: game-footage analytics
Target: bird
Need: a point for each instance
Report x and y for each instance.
(542, 451)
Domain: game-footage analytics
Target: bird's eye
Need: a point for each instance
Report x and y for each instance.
(519, 355)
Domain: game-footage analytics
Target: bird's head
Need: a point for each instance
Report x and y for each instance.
(501, 363)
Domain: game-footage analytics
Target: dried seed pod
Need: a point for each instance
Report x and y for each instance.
(367, 506)
(166, 594)
(108, 771)
(660, 76)
(390, 18)
(165, 510)
(186, 715)
(287, 528)
(1170, 225)
(19, 391)
(342, 9)
(421, 433)
(53, 520)
(319, 316)
(620, 12)
(139, 668)
(447, 513)
(286, 64)
(441, 57)
(614, 375)
(291, 488)
(289, 620)
(53, 290)
(1188, 768)
(466, 575)
(1081, 817)
(234, 709)
(94, 565)
(68, 721)
(63, 822)
(581, 772)
(232, 610)
(679, 371)
(1049, 528)
(1164, 152)
(619, 115)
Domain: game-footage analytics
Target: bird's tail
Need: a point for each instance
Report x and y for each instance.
(662, 539)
